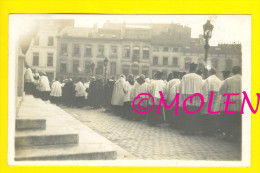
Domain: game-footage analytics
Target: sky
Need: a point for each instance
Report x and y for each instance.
(227, 28)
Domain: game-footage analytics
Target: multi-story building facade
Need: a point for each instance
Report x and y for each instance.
(137, 49)
(41, 54)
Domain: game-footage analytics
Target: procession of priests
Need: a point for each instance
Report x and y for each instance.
(119, 97)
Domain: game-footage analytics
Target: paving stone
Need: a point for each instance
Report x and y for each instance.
(149, 142)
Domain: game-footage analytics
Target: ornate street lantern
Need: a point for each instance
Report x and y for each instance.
(207, 33)
(207, 30)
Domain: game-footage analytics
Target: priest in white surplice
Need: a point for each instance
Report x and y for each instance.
(211, 84)
(28, 81)
(117, 100)
(56, 92)
(155, 86)
(232, 122)
(44, 87)
(80, 93)
(191, 83)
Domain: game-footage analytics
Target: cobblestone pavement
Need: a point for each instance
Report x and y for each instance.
(159, 143)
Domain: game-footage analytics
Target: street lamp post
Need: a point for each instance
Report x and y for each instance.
(92, 67)
(207, 32)
(105, 65)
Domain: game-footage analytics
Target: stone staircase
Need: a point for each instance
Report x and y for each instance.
(46, 132)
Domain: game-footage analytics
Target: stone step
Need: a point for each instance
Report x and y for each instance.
(30, 124)
(42, 140)
(91, 151)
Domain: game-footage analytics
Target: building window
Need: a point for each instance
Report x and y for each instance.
(36, 41)
(76, 50)
(100, 67)
(64, 49)
(113, 52)
(165, 49)
(75, 67)
(101, 49)
(125, 70)
(175, 49)
(35, 59)
(50, 41)
(187, 62)
(155, 60)
(113, 68)
(175, 61)
(126, 51)
(146, 52)
(228, 64)
(136, 53)
(88, 51)
(145, 71)
(50, 59)
(88, 67)
(63, 66)
(165, 60)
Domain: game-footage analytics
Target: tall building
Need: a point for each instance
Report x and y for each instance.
(136, 49)
(41, 54)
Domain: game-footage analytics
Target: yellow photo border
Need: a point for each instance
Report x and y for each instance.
(7, 7)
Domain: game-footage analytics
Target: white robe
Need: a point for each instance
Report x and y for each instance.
(173, 91)
(155, 87)
(231, 85)
(44, 84)
(169, 85)
(56, 89)
(190, 84)
(128, 92)
(80, 89)
(28, 76)
(212, 83)
(139, 89)
(118, 92)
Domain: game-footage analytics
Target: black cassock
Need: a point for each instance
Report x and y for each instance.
(108, 91)
(68, 94)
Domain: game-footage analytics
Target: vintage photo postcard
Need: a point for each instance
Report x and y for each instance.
(129, 90)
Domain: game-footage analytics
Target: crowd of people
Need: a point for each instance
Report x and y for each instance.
(116, 95)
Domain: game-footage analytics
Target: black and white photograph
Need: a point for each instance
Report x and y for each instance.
(129, 90)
